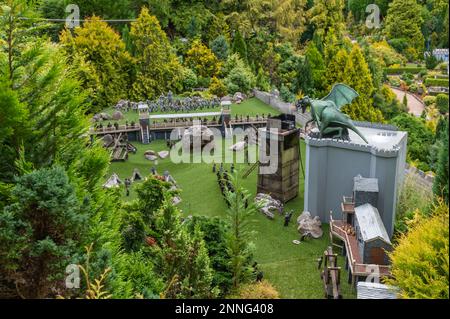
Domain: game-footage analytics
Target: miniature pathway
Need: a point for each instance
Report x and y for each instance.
(415, 106)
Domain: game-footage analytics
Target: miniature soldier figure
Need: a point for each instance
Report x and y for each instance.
(287, 218)
(214, 168)
(221, 168)
(259, 274)
(153, 169)
(232, 168)
(127, 186)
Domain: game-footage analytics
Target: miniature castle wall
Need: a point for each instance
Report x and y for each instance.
(332, 164)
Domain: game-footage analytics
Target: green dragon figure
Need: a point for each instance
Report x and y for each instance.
(327, 115)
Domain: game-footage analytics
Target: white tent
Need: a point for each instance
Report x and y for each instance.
(113, 181)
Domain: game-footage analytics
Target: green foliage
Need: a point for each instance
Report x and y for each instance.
(215, 232)
(239, 47)
(239, 77)
(431, 62)
(12, 115)
(401, 70)
(304, 81)
(420, 265)
(181, 258)
(318, 68)
(151, 195)
(190, 79)
(386, 101)
(440, 186)
(404, 21)
(239, 246)
(326, 15)
(412, 198)
(157, 67)
(39, 232)
(286, 95)
(220, 47)
(100, 60)
(202, 60)
(357, 75)
(442, 103)
(217, 87)
(429, 100)
(262, 80)
(436, 82)
(420, 137)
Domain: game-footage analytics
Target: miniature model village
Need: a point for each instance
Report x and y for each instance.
(359, 211)
(246, 149)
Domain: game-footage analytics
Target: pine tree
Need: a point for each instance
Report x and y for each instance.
(357, 75)
(49, 98)
(404, 21)
(304, 82)
(239, 46)
(336, 68)
(157, 67)
(240, 234)
(318, 68)
(182, 258)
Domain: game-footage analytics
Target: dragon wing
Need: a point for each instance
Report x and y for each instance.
(341, 95)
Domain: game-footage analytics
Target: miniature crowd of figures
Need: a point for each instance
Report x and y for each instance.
(223, 179)
(167, 103)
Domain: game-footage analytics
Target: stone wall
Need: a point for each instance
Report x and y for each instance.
(421, 179)
(274, 101)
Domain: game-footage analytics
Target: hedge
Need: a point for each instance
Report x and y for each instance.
(436, 82)
(413, 70)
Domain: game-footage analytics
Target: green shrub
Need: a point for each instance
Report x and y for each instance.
(429, 100)
(442, 103)
(401, 70)
(420, 266)
(436, 82)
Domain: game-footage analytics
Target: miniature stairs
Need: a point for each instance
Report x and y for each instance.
(145, 137)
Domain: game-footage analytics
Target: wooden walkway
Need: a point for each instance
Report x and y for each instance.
(356, 266)
(173, 125)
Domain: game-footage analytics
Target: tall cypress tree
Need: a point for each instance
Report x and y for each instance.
(240, 47)
(357, 75)
(157, 67)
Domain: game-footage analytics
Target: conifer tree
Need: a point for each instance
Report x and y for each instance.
(157, 67)
(318, 68)
(39, 232)
(357, 75)
(240, 47)
(240, 234)
(326, 15)
(202, 60)
(404, 21)
(336, 68)
(101, 60)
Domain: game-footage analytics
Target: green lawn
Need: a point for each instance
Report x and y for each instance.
(292, 269)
